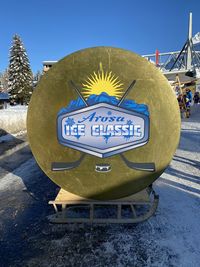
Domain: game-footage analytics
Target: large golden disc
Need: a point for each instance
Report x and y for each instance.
(54, 92)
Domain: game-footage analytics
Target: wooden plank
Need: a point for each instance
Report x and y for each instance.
(63, 195)
(133, 211)
(119, 211)
(98, 202)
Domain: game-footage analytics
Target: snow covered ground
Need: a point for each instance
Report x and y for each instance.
(170, 238)
(13, 119)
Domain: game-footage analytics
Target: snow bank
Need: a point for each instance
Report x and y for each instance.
(13, 119)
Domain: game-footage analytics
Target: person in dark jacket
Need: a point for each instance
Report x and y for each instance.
(196, 98)
(187, 102)
(189, 95)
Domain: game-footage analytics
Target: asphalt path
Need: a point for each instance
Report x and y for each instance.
(170, 238)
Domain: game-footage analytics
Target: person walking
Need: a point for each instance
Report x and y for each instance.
(187, 101)
(189, 95)
(196, 98)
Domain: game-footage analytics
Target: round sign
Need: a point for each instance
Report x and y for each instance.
(103, 123)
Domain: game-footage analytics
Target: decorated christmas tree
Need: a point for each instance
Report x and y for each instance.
(20, 74)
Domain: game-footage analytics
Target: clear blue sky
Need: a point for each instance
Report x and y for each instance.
(51, 29)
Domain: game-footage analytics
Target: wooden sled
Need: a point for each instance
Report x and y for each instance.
(142, 206)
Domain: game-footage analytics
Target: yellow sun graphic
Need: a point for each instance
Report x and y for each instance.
(102, 81)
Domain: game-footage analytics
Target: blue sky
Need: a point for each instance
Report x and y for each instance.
(51, 29)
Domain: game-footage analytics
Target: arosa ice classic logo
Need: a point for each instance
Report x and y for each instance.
(101, 121)
(103, 129)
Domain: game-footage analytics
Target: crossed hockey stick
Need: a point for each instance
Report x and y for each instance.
(61, 166)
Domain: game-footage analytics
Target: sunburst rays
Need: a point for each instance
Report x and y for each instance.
(101, 81)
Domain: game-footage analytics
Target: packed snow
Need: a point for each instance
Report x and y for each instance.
(13, 119)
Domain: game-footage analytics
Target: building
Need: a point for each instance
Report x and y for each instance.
(47, 65)
(4, 99)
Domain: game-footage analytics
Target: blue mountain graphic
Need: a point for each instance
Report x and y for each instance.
(105, 98)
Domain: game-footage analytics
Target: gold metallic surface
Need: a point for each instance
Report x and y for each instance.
(53, 93)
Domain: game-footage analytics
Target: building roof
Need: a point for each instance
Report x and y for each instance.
(4, 96)
(171, 75)
(49, 62)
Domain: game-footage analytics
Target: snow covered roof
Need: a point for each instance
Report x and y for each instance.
(4, 96)
(49, 62)
(196, 38)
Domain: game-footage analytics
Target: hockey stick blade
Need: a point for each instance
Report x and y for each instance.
(149, 167)
(62, 166)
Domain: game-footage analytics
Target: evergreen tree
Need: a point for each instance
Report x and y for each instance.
(37, 76)
(20, 74)
(4, 80)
